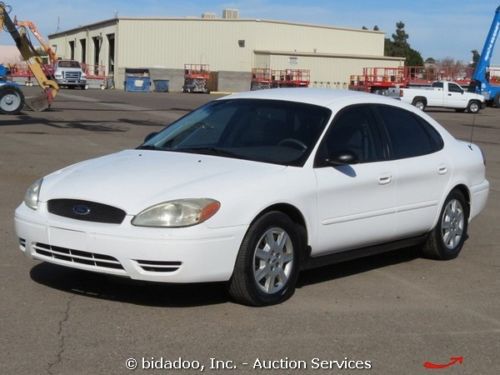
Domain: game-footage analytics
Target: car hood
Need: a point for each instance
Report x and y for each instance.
(137, 179)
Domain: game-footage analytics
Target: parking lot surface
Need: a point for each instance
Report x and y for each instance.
(394, 310)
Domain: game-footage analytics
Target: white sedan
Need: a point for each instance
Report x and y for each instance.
(254, 187)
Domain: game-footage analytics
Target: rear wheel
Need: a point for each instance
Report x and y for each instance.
(474, 106)
(419, 103)
(446, 240)
(11, 100)
(267, 266)
(497, 101)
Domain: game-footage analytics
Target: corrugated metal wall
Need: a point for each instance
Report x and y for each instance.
(62, 43)
(172, 43)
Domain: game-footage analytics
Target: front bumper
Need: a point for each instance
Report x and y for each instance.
(71, 82)
(174, 255)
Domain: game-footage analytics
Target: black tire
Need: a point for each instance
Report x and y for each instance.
(420, 103)
(435, 246)
(243, 286)
(8, 107)
(474, 106)
(497, 101)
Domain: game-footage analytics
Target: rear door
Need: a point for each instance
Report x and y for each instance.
(356, 202)
(421, 165)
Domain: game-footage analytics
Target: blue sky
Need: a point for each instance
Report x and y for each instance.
(437, 28)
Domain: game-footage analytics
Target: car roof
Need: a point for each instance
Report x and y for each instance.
(321, 97)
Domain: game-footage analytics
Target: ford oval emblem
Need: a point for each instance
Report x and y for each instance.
(81, 209)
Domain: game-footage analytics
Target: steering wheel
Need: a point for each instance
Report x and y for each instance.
(293, 142)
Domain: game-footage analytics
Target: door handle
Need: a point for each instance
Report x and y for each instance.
(384, 180)
(449, 94)
(443, 169)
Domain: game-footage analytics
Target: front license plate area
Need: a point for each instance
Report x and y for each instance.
(67, 238)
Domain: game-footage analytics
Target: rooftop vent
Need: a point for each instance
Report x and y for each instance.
(230, 14)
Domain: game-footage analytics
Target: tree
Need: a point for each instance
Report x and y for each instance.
(430, 60)
(364, 28)
(400, 47)
(376, 28)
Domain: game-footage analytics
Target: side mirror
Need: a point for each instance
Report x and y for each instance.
(342, 158)
(149, 136)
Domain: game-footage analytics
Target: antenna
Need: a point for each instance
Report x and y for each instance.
(472, 129)
(58, 23)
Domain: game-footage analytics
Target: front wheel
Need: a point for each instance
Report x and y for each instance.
(474, 106)
(267, 266)
(447, 239)
(11, 100)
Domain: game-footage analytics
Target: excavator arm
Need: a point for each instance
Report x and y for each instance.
(33, 60)
(34, 30)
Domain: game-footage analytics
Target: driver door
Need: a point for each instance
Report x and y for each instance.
(356, 202)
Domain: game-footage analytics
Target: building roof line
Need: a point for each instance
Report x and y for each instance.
(327, 54)
(91, 25)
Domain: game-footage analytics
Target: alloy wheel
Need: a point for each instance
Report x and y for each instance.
(273, 260)
(452, 224)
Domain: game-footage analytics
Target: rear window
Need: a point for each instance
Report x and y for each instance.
(409, 135)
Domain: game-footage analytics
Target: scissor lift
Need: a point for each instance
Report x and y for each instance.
(261, 79)
(264, 78)
(196, 78)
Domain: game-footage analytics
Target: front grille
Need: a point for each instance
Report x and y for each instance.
(22, 243)
(77, 256)
(71, 75)
(158, 266)
(87, 211)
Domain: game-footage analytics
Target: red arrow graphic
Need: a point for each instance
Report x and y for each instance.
(453, 361)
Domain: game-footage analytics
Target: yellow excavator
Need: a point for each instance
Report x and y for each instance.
(11, 97)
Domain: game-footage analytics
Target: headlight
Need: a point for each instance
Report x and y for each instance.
(84, 76)
(178, 213)
(32, 194)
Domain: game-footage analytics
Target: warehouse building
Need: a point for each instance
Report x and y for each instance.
(231, 46)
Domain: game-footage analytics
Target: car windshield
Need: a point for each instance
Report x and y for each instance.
(269, 131)
(68, 64)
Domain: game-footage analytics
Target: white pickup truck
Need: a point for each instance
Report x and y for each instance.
(69, 73)
(443, 94)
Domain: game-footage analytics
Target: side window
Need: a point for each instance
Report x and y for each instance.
(454, 88)
(353, 130)
(408, 135)
(438, 85)
(436, 140)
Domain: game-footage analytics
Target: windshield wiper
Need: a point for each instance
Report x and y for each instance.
(147, 147)
(208, 151)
